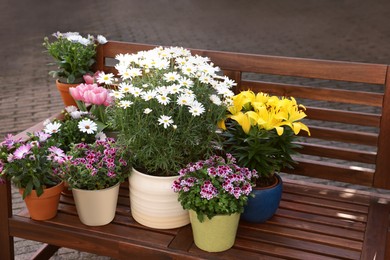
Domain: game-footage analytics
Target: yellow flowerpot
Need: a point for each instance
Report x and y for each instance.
(214, 235)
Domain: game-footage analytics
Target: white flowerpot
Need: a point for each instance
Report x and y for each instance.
(96, 207)
(153, 202)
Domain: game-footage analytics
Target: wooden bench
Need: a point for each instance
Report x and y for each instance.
(348, 107)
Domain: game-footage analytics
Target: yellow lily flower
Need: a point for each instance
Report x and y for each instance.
(243, 120)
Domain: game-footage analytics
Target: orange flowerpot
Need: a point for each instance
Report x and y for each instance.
(45, 206)
(63, 88)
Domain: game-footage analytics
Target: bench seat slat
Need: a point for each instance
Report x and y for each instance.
(337, 153)
(332, 171)
(298, 246)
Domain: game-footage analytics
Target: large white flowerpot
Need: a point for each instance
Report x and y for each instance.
(96, 207)
(153, 202)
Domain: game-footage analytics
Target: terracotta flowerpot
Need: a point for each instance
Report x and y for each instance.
(45, 206)
(96, 207)
(216, 234)
(63, 88)
(153, 202)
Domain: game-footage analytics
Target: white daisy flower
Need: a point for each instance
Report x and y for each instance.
(162, 99)
(135, 72)
(185, 99)
(147, 111)
(174, 89)
(186, 82)
(196, 109)
(116, 94)
(125, 88)
(125, 103)
(52, 128)
(136, 91)
(216, 100)
(104, 78)
(171, 76)
(87, 126)
(165, 121)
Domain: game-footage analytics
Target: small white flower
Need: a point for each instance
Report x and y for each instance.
(216, 100)
(165, 120)
(196, 109)
(104, 78)
(87, 126)
(101, 39)
(135, 72)
(125, 103)
(46, 122)
(186, 82)
(148, 95)
(78, 114)
(171, 76)
(147, 111)
(163, 99)
(101, 136)
(52, 128)
(117, 94)
(125, 88)
(136, 92)
(185, 99)
(71, 109)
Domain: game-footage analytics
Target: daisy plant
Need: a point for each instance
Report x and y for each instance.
(260, 131)
(74, 126)
(216, 186)
(167, 106)
(31, 165)
(73, 54)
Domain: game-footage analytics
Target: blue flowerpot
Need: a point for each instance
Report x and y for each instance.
(265, 203)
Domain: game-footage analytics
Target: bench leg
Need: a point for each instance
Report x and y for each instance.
(6, 241)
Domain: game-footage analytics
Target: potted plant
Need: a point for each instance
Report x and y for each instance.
(32, 167)
(94, 173)
(73, 126)
(260, 131)
(74, 56)
(215, 192)
(167, 106)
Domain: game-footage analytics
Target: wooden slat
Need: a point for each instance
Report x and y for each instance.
(331, 171)
(342, 116)
(321, 69)
(338, 153)
(6, 241)
(348, 136)
(315, 93)
(374, 246)
(382, 174)
(291, 246)
(45, 252)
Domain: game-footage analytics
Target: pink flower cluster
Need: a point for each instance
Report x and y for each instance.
(91, 94)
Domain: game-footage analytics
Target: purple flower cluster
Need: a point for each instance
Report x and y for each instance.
(94, 157)
(215, 176)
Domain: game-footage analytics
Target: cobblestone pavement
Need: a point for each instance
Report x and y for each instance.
(352, 30)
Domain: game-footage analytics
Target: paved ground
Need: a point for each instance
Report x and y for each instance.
(353, 30)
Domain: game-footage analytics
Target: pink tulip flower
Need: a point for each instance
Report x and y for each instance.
(88, 79)
(96, 96)
(79, 91)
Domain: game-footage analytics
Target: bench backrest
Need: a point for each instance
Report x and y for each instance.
(348, 108)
